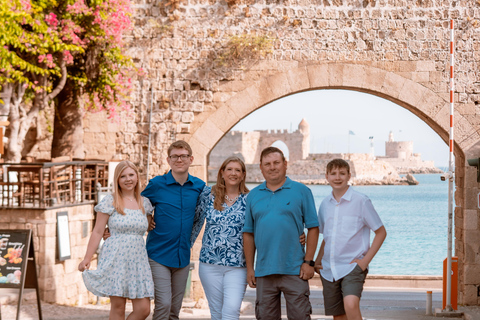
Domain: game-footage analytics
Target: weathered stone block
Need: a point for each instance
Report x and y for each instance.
(209, 133)
(318, 76)
(471, 198)
(187, 117)
(470, 295)
(354, 76)
(425, 66)
(471, 219)
(412, 92)
(46, 229)
(335, 74)
(5, 218)
(393, 84)
(279, 85)
(225, 117)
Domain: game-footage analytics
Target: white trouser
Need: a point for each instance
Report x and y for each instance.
(224, 288)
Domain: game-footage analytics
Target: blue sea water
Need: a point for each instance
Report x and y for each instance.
(415, 218)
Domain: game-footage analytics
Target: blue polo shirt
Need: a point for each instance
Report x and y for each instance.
(169, 243)
(277, 219)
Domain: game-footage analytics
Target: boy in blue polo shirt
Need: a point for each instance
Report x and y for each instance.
(345, 219)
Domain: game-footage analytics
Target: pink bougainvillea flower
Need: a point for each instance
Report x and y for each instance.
(51, 19)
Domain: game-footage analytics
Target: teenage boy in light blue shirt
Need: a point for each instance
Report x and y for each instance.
(345, 219)
(276, 214)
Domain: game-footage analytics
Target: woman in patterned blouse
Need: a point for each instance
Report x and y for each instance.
(222, 270)
(222, 263)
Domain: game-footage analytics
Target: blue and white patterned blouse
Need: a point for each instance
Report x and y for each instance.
(222, 242)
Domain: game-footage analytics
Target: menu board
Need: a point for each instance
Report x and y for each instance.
(14, 245)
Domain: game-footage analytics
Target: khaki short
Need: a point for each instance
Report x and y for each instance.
(295, 290)
(334, 292)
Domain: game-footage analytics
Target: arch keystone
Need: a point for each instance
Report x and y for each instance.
(374, 78)
(335, 74)
(318, 76)
(354, 76)
(298, 79)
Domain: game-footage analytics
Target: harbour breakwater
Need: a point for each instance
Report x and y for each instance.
(365, 170)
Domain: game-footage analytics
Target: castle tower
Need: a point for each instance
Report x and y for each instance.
(398, 149)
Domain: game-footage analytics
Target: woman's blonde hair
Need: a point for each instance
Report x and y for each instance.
(219, 189)
(118, 202)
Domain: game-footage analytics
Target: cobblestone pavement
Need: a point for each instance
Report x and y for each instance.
(377, 304)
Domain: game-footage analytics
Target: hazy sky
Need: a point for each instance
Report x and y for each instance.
(333, 113)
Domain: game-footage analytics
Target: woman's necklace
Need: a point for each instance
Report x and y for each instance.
(129, 199)
(230, 200)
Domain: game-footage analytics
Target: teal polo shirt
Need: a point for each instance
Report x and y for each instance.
(169, 242)
(277, 219)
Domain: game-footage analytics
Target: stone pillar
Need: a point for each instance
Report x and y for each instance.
(467, 233)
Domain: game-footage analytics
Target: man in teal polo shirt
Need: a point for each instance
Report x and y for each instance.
(174, 197)
(277, 212)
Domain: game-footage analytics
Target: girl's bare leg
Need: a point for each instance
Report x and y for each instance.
(117, 308)
(141, 309)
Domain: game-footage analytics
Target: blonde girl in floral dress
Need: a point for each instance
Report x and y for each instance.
(123, 270)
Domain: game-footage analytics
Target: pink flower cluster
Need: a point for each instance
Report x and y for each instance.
(78, 8)
(115, 19)
(67, 56)
(60, 31)
(70, 32)
(108, 100)
(51, 19)
(26, 5)
(48, 59)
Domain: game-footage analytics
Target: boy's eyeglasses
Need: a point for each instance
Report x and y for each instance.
(183, 157)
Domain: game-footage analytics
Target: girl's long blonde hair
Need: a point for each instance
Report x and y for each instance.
(219, 189)
(118, 202)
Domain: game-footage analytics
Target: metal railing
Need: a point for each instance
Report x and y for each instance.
(51, 184)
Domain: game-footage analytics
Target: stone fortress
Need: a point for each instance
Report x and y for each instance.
(310, 167)
(400, 154)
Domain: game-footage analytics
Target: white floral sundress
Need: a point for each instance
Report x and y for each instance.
(123, 269)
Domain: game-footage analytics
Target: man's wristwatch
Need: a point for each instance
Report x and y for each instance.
(311, 263)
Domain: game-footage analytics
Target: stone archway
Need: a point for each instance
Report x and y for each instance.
(426, 104)
(429, 106)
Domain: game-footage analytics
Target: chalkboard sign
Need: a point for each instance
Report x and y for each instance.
(17, 264)
(14, 245)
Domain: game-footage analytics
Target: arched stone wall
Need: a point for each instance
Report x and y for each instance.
(395, 49)
(429, 106)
